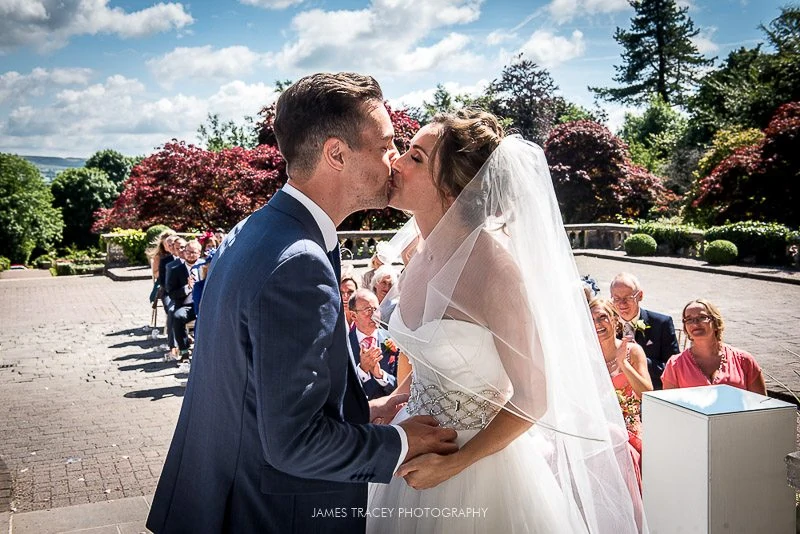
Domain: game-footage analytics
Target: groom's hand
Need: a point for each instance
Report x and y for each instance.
(383, 409)
(424, 435)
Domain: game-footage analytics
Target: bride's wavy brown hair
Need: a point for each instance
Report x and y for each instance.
(467, 138)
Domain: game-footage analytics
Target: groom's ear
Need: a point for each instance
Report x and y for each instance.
(333, 153)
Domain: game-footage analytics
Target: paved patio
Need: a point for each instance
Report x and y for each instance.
(89, 406)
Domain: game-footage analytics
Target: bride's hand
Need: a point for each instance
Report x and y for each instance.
(429, 470)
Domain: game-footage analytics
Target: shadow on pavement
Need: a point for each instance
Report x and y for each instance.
(142, 331)
(157, 394)
(153, 355)
(150, 367)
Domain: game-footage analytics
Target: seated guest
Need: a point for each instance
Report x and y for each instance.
(655, 332)
(179, 287)
(175, 245)
(157, 250)
(708, 360)
(627, 366)
(347, 287)
(374, 352)
(374, 263)
(382, 282)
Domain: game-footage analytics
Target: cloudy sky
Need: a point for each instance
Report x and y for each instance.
(77, 76)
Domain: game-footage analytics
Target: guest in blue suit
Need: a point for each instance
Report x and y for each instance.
(375, 353)
(655, 332)
(274, 433)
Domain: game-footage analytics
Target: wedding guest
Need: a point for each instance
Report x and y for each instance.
(374, 263)
(179, 287)
(382, 282)
(375, 354)
(176, 245)
(655, 332)
(627, 366)
(157, 250)
(347, 287)
(709, 360)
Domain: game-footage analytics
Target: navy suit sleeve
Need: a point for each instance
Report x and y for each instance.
(177, 278)
(294, 319)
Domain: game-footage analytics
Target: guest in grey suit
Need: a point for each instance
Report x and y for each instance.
(274, 433)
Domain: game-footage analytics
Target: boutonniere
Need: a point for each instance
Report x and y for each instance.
(640, 326)
(391, 347)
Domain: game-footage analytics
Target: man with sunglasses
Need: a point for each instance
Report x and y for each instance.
(655, 332)
(376, 359)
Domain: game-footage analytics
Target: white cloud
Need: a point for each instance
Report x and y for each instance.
(271, 4)
(121, 113)
(49, 24)
(566, 10)
(387, 36)
(704, 41)
(203, 62)
(416, 99)
(17, 88)
(548, 49)
(498, 37)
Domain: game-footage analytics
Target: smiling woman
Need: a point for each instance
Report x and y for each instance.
(708, 360)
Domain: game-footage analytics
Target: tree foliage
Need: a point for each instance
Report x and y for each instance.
(187, 187)
(653, 136)
(116, 166)
(79, 193)
(751, 84)
(759, 182)
(595, 179)
(525, 95)
(658, 55)
(27, 218)
(217, 135)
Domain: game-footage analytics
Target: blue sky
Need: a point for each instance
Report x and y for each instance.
(78, 76)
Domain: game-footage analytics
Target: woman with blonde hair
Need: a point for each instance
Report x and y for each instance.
(708, 360)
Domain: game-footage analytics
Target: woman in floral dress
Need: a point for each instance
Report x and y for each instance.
(627, 366)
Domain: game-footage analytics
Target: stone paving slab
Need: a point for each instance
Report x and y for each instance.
(96, 518)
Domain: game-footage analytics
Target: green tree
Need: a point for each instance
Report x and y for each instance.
(27, 218)
(747, 89)
(216, 135)
(525, 96)
(658, 57)
(653, 136)
(79, 193)
(116, 166)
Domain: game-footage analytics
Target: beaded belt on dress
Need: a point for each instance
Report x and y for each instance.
(453, 408)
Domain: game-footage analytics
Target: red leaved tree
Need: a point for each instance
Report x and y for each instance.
(595, 179)
(758, 182)
(187, 187)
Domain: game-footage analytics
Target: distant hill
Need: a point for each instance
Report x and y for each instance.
(50, 166)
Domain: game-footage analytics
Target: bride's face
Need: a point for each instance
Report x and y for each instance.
(411, 187)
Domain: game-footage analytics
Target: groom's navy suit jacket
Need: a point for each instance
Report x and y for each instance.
(272, 428)
(658, 341)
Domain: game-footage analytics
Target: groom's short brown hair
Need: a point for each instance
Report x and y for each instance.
(318, 107)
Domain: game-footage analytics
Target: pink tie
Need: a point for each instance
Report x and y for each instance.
(368, 342)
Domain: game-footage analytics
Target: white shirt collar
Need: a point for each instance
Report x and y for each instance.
(361, 335)
(323, 220)
(635, 319)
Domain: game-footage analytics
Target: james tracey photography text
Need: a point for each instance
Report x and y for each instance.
(400, 513)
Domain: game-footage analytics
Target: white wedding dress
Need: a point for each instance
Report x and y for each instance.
(511, 491)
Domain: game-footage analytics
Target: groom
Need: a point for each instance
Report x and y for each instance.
(273, 434)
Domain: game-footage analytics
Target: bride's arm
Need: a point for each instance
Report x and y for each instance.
(509, 319)
(403, 374)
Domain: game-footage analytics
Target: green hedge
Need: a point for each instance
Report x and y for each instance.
(640, 245)
(766, 242)
(154, 231)
(133, 243)
(721, 252)
(674, 236)
(5, 263)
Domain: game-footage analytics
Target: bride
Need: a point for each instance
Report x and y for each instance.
(493, 319)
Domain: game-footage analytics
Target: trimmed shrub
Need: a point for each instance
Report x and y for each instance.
(153, 232)
(766, 242)
(674, 236)
(133, 243)
(43, 262)
(5, 263)
(721, 252)
(65, 269)
(640, 245)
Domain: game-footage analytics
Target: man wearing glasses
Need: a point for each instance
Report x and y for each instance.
(655, 332)
(376, 360)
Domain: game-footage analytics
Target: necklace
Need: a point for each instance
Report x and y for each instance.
(714, 377)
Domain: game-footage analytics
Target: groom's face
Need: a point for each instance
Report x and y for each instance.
(371, 163)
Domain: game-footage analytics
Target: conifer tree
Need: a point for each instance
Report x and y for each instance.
(659, 56)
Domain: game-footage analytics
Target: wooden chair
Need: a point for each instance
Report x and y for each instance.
(683, 339)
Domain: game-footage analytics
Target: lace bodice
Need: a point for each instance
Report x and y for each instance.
(458, 377)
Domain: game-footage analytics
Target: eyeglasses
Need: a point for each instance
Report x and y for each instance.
(697, 320)
(369, 310)
(623, 300)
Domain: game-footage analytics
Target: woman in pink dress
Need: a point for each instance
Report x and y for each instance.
(709, 361)
(627, 366)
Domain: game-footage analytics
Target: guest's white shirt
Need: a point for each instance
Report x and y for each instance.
(363, 375)
(328, 230)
